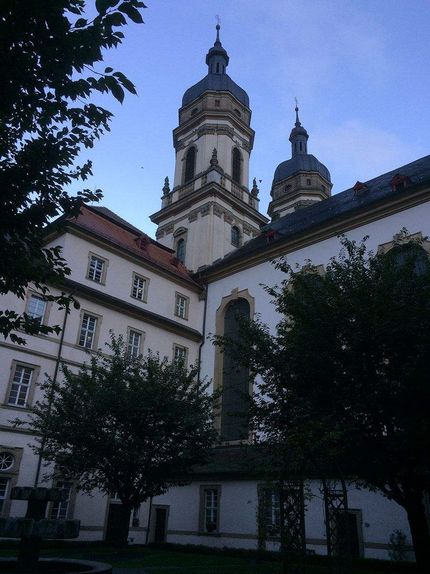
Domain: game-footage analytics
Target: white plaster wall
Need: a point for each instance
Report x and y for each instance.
(414, 219)
(238, 517)
(204, 146)
(161, 290)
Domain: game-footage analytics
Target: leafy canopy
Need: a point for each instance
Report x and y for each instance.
(134, 427)
(47, 52)
(342, 385)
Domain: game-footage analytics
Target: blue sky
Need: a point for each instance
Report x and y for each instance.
(359, 68)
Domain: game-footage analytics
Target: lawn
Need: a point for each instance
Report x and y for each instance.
(170, 561)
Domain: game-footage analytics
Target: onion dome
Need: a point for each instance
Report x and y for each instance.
(300, 159)
(216, 80)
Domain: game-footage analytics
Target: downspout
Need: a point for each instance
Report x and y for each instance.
(205, 295)
(148, 526)
(54, 380)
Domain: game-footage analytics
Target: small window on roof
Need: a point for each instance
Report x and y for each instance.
(237, 112)
(194, 111)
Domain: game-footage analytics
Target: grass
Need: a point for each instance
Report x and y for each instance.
(183, 560)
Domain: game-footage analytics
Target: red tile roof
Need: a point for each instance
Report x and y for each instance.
(112, 228)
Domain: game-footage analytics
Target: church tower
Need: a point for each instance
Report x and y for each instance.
(299, 181)
(210, 210)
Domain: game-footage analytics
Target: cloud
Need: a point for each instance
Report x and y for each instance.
(321, 42)
(356, 151)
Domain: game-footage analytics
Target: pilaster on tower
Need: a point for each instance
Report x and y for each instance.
(210, 210)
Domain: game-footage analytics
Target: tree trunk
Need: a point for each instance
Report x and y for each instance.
(118, 523)
(419, 530)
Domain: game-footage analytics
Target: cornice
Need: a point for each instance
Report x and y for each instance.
(199, 121)
(126, 254)
(213, 189)
(204, 209)
(331, 228)
(117, 304)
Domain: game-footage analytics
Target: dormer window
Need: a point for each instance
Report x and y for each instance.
(194, 111)
(236, 166)
(308, 181)
(190, 164)
(237, 112)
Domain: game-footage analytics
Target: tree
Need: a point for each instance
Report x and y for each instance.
(130, 426)
(343, 383)
(47, 52)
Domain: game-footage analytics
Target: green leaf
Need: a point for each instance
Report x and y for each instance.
(115, 88)
(81, 23)
(108, 70)
(131, 12)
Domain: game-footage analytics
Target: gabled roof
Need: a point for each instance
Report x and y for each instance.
(109, 227)
(378, 190)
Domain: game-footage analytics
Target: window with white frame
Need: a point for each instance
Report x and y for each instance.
(181, 306)
(20, 386)
(179, 353)
(139, 287)
(272, 510)
(36, 307)
(87, 332)
(134, 344)
(7, 460)
(60, 508)
(210, 509)
(96, 269)
(4, 491)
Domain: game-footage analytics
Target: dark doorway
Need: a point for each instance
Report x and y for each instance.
(117, 526)
(347, 524)
(160, 526)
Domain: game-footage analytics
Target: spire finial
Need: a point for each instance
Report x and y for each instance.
(217, 41)
(297, 113)
(166, 187)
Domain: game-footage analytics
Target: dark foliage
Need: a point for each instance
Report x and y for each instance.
(342, 387)
(134, 427)
(47, 52)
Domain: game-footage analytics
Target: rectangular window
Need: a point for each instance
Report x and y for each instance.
(4, 492)
(181, 306)
(139, 287)
(20, 386)
(36, 308)
(60, 509)
(179, 353)
(210, 499)
(134, 343)
(96, 269)
(272, 511)
(88, 331)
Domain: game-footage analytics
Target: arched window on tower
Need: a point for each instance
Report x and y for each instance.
(190, 164)
(235, 236)
(236, 166)
(180, 250)
(235, 378)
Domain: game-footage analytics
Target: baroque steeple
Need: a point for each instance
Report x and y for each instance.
(298, 137)
(217, 58)
(301, 180)
(210, 201)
